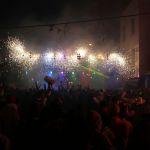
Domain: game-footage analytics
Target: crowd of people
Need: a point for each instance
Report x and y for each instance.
(74, 118)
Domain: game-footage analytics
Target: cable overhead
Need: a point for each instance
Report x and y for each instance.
(73, 22)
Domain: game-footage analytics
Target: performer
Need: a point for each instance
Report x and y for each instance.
(50, 81)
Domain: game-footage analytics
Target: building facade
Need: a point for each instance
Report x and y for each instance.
(135, 36)
(144, 34)
(129, 38)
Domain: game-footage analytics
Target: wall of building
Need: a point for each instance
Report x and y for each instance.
(129, 37)
(144, 42)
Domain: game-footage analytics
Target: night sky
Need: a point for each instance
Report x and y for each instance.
(51, 11)
(13, 12)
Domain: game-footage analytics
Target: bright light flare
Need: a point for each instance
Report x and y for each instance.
(74, 58)
(100, 56)
(92, 59)
(34, 58)
(59, 56)
(114, 57)
(82, 52)
(49, 56)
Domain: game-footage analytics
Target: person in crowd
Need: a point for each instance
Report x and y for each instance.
(9, 115)
(72, 118)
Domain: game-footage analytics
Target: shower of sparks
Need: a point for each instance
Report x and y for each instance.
(82, 52)
(117, 59)
(59, 60)
(59, 56)
(100, 56)
(48, 57)
(92, 59)
(19, 54)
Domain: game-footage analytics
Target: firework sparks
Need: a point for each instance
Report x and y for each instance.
(49, 56)
(82, 52)
(101, 57)
(117, 59)
(19, 54)
(59, 60)
(59, 56)
(92, 59)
